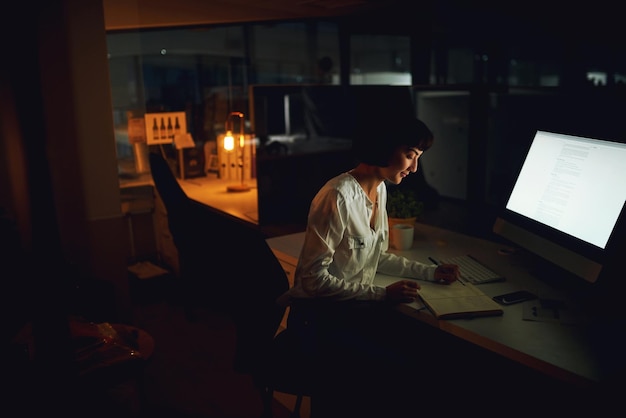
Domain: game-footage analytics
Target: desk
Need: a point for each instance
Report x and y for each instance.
(564, 352)
(208, 190)
(211, 191)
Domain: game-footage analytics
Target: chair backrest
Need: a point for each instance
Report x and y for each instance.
(173, 196)
(191, 223)
(195, 230)
(259, 281)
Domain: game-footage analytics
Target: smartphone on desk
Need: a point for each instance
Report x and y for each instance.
(514, 297)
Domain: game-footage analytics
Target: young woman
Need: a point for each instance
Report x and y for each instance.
(347, 234)
(341, 315)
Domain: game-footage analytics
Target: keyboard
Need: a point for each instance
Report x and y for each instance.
(472, 270)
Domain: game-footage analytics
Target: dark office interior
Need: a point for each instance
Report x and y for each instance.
(488, 75)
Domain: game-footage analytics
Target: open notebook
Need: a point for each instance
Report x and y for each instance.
(459, 299)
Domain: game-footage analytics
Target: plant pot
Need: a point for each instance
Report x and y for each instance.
(407, 221)
(401, 236)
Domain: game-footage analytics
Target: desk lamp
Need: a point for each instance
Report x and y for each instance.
(229, 146)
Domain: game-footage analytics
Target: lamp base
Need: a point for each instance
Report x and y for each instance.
(237, 188)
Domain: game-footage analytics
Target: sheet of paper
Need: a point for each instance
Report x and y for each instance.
(544, 310)
(183, 141)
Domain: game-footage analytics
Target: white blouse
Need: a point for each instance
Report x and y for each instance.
(342, 253)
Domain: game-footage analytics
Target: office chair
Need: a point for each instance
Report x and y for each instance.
(195, 230)
(247, 292)
(270, 355)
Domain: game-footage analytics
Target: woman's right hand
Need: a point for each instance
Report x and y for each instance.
(447, 273)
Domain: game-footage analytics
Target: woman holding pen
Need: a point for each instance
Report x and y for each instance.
(342, 316)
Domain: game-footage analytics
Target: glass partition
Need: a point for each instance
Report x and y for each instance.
(208, 72)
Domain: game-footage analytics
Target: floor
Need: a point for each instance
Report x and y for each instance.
(190, 374)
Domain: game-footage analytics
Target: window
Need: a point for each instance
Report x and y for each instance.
(380, 59)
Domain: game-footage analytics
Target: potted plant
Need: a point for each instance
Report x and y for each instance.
(403, 206)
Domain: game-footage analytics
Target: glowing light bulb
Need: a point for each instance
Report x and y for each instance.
(229, 141)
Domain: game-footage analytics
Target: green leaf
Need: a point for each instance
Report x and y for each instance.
(403, 203)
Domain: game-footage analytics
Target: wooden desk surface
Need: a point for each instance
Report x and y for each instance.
(211, 191)
(562, 351)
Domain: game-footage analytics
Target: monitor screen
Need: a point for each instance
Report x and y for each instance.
(567, 200)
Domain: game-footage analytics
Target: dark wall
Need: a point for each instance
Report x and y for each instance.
(287, 184)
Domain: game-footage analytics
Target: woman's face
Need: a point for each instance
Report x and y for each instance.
(403, 161)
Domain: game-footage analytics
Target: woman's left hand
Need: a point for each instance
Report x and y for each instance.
(402, 291)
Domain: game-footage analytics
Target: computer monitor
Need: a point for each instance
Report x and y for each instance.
(567, 201)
